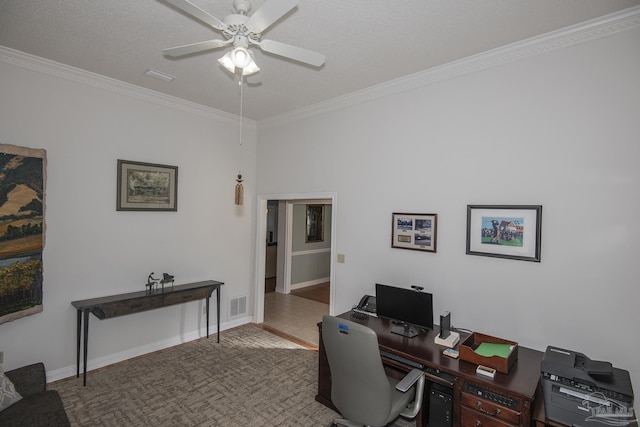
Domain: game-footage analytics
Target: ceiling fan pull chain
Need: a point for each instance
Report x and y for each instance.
(239, 195)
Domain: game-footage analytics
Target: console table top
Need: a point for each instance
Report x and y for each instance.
(94, 302)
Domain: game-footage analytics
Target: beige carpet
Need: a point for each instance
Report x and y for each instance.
(252, 378)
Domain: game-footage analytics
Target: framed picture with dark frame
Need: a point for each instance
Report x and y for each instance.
(414, 231)
(505, 231)
(146, 187)
(315, 224)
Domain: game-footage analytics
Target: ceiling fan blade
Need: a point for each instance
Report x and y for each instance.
(269, 13)
(292, 52)
(195, 47)
(196, 12)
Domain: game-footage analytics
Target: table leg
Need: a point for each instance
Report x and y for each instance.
(208, 316)
(86, 337)
(78, 333)
(218, 312)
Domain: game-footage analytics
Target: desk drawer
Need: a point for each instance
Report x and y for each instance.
(120, 308)
(472, 418)
(489, 409)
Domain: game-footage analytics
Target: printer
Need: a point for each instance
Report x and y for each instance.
(581, 392)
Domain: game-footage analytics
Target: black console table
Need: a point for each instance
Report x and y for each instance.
(135, 302)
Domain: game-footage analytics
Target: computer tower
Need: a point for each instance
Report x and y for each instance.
(440, 406)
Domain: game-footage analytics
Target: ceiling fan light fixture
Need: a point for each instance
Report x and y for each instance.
(241, 58)
(252, 68)
(227, 63)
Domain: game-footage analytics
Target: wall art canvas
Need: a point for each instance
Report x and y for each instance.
(22, 230)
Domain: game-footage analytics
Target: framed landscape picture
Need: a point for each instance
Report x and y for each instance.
(505, 231)
(147, 187)
(414, 231)
(22, 230)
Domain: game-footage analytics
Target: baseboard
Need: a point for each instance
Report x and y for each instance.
(101, 362)
(309, 283)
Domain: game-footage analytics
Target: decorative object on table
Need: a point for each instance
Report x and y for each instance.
(414, 231)
(22, 190)
(146, 187)
(152, 282)
(505, 231)
(166, 278)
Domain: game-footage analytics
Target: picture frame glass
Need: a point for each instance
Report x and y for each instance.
(146, 186)
(504, 231)
(414, 231)
(315, 224)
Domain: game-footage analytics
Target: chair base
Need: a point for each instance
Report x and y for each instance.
(345, 423)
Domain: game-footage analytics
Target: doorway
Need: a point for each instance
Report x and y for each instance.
(298, 305)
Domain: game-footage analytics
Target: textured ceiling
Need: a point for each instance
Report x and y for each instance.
(366, 42)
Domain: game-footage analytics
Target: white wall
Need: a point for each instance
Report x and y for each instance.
(91, 249)
(560, 130)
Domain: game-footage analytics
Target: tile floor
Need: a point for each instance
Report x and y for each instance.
(293, 315)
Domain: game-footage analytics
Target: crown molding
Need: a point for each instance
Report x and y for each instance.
(56, 69)
(535, 46)
(539, 45)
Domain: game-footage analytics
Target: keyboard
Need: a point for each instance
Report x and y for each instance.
(401, 359)
(358, 315)
(366, 313)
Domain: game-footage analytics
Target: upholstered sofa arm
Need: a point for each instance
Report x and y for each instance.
(29, 380)
(38, 407)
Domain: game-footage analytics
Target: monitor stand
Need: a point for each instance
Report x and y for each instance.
(405, 330)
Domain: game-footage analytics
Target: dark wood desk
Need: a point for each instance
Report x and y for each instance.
(508, 398)
(135, 302)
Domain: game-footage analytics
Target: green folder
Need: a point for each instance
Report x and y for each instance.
(488, 349)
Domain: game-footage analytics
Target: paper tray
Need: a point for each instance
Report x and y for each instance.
(499, 363)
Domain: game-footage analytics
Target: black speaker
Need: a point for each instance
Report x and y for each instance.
(440, 406)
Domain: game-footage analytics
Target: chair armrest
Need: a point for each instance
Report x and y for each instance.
(409, 380)
(412, 411)
(29, 379)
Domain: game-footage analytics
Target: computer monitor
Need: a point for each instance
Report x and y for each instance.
(413, 308)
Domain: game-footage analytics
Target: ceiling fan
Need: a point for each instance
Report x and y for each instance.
(243, 31)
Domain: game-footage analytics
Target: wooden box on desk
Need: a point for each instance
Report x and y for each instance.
(501, 364)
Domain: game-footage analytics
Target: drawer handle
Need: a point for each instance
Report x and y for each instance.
(493, 414)
(478, 423)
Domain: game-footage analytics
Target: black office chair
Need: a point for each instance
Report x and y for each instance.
(360, 388)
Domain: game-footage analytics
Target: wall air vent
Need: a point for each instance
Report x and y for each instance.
(237, 306)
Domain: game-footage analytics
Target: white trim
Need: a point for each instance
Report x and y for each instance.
(566, 37)
(309, 283)
(67, 72)
(284, 287)
(261, 236)
(100, 362)
(311, 252)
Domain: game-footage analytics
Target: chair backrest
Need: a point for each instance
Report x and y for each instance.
(359, 386)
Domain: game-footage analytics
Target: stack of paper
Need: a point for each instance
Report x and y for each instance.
(488, 349)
